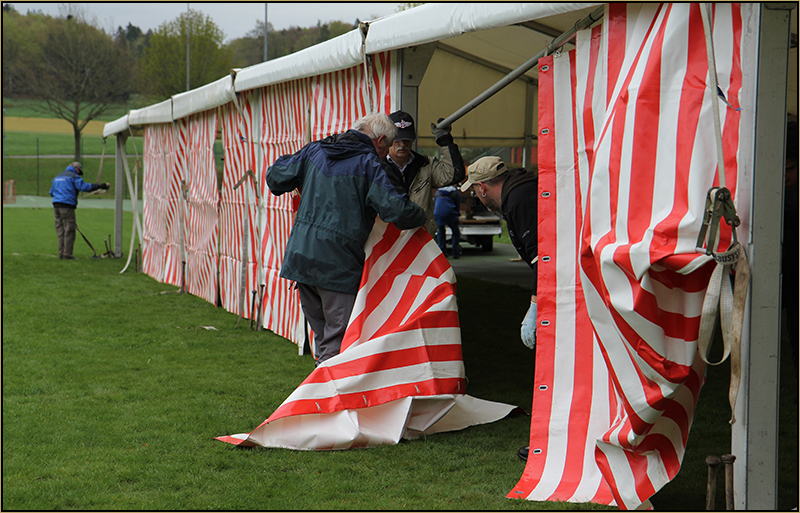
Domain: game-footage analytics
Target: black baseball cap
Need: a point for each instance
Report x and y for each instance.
(405, 125)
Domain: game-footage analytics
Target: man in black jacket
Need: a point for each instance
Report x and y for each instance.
(514, 193)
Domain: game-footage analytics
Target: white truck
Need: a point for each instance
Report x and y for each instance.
(479, 226)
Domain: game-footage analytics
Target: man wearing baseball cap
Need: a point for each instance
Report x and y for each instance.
(64, 192)
(422, 174)
(513, 192)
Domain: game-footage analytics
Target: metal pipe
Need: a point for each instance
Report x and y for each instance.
(265, 31)
(557, 43)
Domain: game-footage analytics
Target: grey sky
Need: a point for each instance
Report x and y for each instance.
(234, 18)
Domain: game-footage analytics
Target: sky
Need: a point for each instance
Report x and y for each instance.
(235, 19)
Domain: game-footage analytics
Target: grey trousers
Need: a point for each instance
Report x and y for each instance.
(328, 313)
(65, 230)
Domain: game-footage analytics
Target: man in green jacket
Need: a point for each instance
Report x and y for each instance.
(345, 182)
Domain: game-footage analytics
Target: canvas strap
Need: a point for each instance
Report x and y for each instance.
(727, 290)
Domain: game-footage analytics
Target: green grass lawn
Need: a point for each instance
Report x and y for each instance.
(31, 108)
(31, 143)
(113, 394)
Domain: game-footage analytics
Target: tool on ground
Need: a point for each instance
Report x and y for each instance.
(711, 489)
(185, 199)
(728, 460)
(259, 321)
(87, 241)
(245, 240)
(252, 309)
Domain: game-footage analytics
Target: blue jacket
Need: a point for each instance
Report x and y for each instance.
(448, 204)
(344, 186)
(66, 186)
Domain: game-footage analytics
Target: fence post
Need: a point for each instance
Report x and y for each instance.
(37, 166)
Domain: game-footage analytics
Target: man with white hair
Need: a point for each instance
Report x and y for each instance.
(64, 192)
(344, 182)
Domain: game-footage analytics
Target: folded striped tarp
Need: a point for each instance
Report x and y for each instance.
(400, 373)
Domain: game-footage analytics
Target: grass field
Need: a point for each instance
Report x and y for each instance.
(113, 394)
(32, 108)
(55, 143)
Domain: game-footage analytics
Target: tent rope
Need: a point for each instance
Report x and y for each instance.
(133, 187)
(99, 171)
(722, 300)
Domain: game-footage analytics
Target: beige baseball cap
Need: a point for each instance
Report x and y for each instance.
(483, 170)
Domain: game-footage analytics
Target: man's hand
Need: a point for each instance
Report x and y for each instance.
(528, 329)
(103, 186)
(442, 135)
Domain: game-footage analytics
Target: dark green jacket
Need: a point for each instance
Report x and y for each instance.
(344, 185)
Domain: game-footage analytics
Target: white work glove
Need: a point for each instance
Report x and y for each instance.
(528, 330)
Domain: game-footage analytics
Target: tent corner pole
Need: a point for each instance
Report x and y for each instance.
(119, 191)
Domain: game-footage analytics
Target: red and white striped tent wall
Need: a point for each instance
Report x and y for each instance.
(238, 207)
(627, 152)
(284, 107)
(163, 171)
(197, 135)
(616, 381)
(175, 153)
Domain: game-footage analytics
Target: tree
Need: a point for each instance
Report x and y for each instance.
(23, 38)
(164, 62)
(407, 5)
(133, 41)
(249, 50)
(79, 74)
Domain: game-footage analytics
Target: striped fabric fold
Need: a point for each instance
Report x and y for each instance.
(161, 254)
(238, 208)
(200, 207)
(400, 373)
(284, 110)
(626, 156)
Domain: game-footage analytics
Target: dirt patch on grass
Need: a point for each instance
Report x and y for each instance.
(50, 126)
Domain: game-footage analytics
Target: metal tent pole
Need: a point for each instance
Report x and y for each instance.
(557, 43)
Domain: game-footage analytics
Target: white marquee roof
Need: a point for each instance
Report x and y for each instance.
(420, 25)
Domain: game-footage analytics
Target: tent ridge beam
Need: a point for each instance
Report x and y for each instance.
(540, 28)
(483, 62)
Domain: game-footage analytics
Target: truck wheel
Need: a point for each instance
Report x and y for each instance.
(487, 243)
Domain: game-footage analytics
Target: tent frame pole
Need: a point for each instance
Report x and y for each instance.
(119, 191)
(754, 437)
(530, 63)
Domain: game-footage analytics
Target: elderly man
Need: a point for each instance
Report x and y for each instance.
(422, 174)
(513, 192)
(345, 182)
(64, 192)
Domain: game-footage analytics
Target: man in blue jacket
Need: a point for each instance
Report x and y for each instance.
(344, 182)
(64, 191)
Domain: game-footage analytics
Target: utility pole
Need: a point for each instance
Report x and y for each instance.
(265, 31)
(188, 32)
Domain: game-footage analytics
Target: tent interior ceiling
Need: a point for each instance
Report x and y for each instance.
(470, 63)
(512, 45)
(474, 61)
